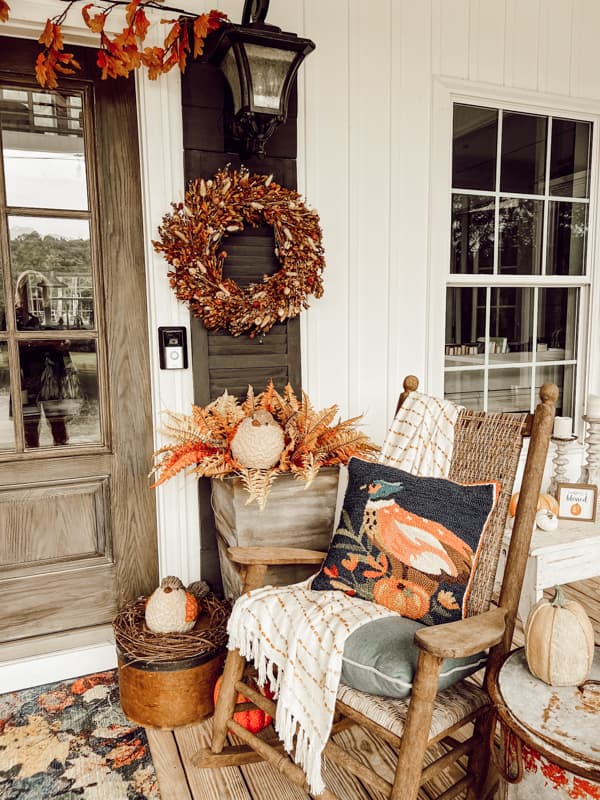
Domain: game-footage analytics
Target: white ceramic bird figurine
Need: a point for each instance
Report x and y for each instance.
(170, 608)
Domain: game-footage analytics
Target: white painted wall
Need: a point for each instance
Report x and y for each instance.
(374, 159)
(377, 167)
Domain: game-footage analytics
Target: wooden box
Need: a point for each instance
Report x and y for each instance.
(295, 515)
(169, 694)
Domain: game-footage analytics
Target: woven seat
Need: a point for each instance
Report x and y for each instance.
(487, 447)
(451, 706)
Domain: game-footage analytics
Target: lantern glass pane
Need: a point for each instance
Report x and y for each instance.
(230, 70)
(269, 68)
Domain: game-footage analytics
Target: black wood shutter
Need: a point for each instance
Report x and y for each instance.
(222, 361)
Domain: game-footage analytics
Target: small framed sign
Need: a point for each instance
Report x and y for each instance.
(577, 501)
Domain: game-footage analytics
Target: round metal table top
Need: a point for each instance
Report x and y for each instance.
(561, 721)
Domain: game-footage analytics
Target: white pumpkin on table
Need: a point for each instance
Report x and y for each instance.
(559, 641)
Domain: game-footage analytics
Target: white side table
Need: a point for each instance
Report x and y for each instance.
(570, 553)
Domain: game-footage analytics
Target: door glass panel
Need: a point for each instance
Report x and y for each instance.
(523, 164)
(520, 236)
(7, 429)
(59, 387)
(43, 149)
(465, 326)
(475, 136)
(570, 158)
(567, 237)
(472, 234)
(558, 312)
(52, 276)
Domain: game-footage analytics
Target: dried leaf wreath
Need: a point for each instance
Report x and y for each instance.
(191, 240)
(312, 439)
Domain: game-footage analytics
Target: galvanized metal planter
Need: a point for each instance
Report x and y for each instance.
(551, 733)
(295, 516)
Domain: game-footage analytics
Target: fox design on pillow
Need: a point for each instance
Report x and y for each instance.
(411, 540)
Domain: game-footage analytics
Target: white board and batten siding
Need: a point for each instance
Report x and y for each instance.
(375, 161)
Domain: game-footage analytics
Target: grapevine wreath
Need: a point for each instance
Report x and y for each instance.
(191, 240)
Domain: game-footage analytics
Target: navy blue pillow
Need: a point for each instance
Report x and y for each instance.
(406, 542)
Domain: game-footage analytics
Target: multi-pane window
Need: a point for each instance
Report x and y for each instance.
(518, 264)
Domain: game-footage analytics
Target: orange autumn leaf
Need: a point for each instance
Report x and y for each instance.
(96, 23)
(141, 23)
(4, 9)
(65, 62)
(152, 59)
(130, 11)
(173, 34)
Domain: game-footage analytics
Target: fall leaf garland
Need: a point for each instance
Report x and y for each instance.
(191, 241)
(120, 55)
(312, 439)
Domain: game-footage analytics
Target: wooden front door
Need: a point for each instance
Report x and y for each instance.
(77, 520)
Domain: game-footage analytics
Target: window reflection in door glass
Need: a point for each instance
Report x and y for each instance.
(7, 429)
(59, 389)
(52, 275)
(43, 149)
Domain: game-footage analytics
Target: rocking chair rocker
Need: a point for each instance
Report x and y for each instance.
(486, 447)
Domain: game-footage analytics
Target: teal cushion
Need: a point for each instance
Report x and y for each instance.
(381, 658)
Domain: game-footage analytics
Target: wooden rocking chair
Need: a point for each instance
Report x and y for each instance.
(486, 447)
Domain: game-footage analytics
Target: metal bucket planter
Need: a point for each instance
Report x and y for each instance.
(295, 515)
(551, 733)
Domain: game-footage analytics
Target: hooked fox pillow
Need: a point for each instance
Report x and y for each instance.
(406, 542)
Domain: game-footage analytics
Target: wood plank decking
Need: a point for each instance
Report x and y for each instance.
(180, 780)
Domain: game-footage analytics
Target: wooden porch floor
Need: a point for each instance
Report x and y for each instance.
(180, 780)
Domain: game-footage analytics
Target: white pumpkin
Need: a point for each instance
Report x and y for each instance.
(546, 520)
(559, 641)
(258, 441)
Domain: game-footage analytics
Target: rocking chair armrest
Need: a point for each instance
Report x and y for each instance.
(464, 637)
(272, 556)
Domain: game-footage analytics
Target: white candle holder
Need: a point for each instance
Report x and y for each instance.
(590, 472)
(560, 461)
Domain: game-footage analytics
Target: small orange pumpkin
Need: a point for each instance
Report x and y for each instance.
(406, 598)
(253, 720)
(545, 501)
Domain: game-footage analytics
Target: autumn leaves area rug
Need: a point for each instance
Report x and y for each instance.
(71, 740)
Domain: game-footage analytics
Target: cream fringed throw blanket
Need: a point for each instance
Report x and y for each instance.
(302, 632)
(421, 438)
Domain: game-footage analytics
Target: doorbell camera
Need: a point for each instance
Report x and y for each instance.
(172, 346)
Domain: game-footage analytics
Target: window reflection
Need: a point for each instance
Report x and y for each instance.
(570, 158)
(558, 312)
(472, 234)
(465, 326)
(567, 236)
(7, 430)
(52, 274)
(59, 390)
(43, 149)
(523, 165)
(475, 134)
(520, 236)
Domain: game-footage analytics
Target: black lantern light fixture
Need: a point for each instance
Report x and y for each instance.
(259, 62)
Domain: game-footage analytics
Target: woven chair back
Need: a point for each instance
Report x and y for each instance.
(487, 447)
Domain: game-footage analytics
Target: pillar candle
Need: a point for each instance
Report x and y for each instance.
(593, 406)
(563, 427)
